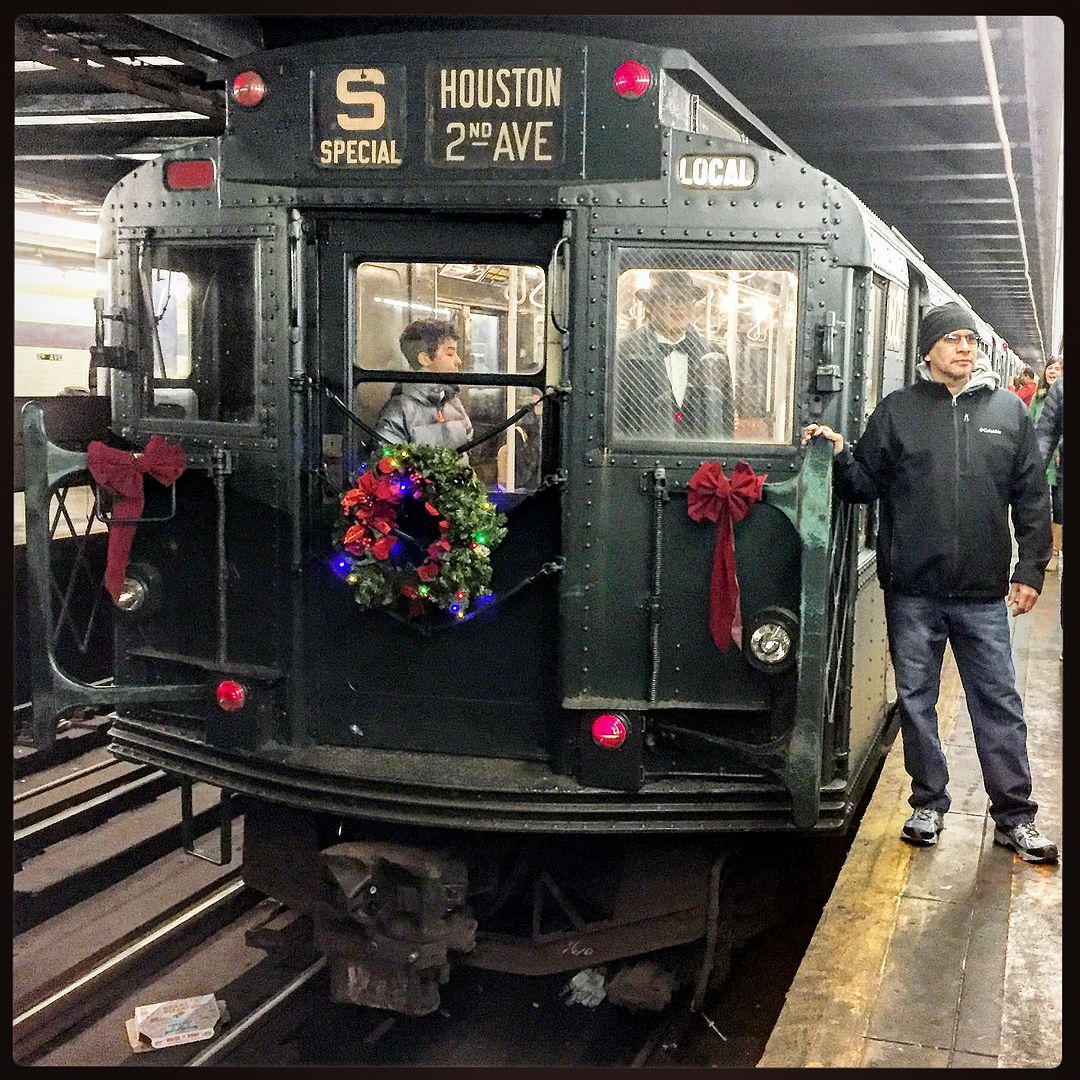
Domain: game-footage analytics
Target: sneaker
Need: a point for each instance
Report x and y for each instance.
(1027, 842)
(923, 826)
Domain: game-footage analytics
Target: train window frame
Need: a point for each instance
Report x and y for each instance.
(877, 300)
(897, 302)
(624, 257)
(466, 313)
(141, 253)
(875, 336)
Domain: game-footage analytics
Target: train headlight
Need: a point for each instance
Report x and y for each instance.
(140, 593)
(770, 639)
(132, 594)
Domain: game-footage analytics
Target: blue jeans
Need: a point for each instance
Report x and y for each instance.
(978, 630)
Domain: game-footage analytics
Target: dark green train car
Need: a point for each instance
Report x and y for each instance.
(574, 735)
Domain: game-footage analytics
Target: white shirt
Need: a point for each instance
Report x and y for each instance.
(675, 362)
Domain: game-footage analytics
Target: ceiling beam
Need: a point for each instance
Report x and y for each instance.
(105, 137)
(78, 187)
(82, 104)
(224, 36)
(63, 52)
(159, 42)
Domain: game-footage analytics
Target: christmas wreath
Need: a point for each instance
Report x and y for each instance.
(418, 524)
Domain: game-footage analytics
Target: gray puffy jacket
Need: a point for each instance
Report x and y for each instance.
(430, 414)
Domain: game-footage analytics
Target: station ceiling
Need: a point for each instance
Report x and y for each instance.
(947, 127)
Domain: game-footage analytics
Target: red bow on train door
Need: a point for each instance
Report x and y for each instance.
(711, 496)
(121, 474)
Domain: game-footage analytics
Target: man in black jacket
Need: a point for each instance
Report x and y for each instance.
(947, 458)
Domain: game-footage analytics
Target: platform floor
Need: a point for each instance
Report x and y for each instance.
(947, 956)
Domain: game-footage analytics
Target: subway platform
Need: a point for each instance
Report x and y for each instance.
(948, 956)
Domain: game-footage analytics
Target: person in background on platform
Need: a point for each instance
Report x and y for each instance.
(948, 458)
(1025, 385)
(1051, 373)
(1049, 437)
(675, 383)
(430, 414)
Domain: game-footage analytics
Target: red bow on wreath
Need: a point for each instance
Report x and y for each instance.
(711, 496)
(121, 475)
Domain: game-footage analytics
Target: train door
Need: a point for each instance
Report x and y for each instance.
(374, 670)
(700, 347)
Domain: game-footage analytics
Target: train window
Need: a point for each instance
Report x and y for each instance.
(896, 313)
(499, 312)
(875, 345)
(199, 331)
(896, 319)
(705, 347)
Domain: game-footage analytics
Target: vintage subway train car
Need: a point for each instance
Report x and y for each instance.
(558, 762)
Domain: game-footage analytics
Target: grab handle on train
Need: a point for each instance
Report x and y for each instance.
(828, 375)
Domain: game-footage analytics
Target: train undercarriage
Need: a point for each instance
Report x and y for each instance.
(394, 911)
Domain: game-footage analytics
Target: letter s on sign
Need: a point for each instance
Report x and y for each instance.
(368, 99)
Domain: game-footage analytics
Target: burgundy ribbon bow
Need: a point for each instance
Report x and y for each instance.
(121, 474)
(711, 496)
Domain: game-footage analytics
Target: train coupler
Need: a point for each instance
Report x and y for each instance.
(389, 918)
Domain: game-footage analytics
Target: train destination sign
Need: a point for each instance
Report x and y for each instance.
(484, 114)
(713, 171)
(358, 116)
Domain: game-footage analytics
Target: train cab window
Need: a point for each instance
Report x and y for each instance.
(873, 360)
(896, 312)
(199, 331)
(705, 348)
(499, 313)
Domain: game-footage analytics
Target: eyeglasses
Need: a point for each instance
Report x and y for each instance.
(972, 339)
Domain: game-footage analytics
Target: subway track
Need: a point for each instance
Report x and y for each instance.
(110, 913)
(280, 1012)
(103, 893)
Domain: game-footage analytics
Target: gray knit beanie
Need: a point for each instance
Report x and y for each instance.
(939, 321)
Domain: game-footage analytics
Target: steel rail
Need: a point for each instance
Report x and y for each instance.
(82, 816)
(58, 1011)
(238, 1033)
(78, 774)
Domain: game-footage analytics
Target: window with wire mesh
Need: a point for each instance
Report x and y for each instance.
(705, 346)
(497, 312)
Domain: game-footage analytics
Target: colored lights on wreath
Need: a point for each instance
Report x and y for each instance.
(459, 607)
(439, 559)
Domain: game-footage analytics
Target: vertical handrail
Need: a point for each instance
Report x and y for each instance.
(813, 516)
(659, 497)
(220, 466)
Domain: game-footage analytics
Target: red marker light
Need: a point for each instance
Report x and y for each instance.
(231, 695)
(248, 88)
(189, 175)
(632, 79)
(609, 731)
